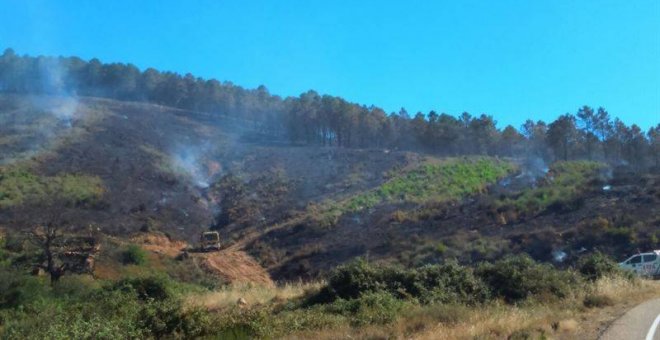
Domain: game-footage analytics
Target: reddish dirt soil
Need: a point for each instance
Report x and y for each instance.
(230, 265)
(235, 266)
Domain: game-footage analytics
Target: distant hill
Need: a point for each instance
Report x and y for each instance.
(314, 119)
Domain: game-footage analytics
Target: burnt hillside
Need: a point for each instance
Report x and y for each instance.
(158, 166)
(128, 168)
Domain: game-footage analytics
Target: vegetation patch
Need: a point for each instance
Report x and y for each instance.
(134, 254)
(19, 185)
(598, 301)
(449, 180)
(560, 189)
(598, 265)
(516, 278)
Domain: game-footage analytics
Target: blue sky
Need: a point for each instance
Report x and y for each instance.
(512, 59)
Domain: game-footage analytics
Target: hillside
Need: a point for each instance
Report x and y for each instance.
(156, 163)
(135, 168)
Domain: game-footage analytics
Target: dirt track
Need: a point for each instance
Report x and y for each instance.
(234, 266)
(230, 265)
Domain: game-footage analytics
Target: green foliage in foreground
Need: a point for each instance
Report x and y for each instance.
(599, 265)
(516, 278)
(18, 186)
(79, 308)
(449, 282)
(561, 188)
(513, 279)
(356, 294)
(448, 180)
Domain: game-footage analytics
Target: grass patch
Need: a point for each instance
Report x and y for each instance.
(19, 185)
(449, 180)
(560, 190)
(598, 301)
(436, 182)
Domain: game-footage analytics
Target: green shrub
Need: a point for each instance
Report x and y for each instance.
(351, 280)
(448, 282)
(134, 254)
(244, 323)
(370, 308)
(105, 315)
(516, 278)
(596, 266)
(17, 289)
(168, 317)
(145, 288)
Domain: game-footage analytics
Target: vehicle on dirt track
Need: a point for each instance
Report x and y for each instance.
(210, 240)
(644, 264)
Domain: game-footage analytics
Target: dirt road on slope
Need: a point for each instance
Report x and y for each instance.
(235, 266)
(231, 264)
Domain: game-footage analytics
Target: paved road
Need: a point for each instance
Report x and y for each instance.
(640, 323)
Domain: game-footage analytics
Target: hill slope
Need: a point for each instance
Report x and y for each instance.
(157, 164)
(129, 168)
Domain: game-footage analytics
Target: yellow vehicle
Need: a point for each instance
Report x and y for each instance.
(210, 240)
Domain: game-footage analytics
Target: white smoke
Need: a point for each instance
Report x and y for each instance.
(54, 79)
(197, 163)
(559, 255)
(65, 111)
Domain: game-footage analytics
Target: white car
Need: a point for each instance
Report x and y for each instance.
(643, 264)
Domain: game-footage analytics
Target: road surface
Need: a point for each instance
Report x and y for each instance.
(640, 323)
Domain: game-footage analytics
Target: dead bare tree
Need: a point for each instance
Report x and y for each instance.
(63, 248)
(46, 237)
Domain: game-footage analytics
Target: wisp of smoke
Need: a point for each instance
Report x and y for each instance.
(196, 162)
(65, 109)
(53, 81)
(559, 255)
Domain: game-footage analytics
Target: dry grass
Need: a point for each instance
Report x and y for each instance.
(495, 321)
(253, 294)
(567, 319)
(619, 288)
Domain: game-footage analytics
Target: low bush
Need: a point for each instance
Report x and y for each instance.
(18, 289)
(134, 254)
(146, 288)
(449, 282)
(169, 318)
(516, 278)
(370, 308)
(597, 265)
